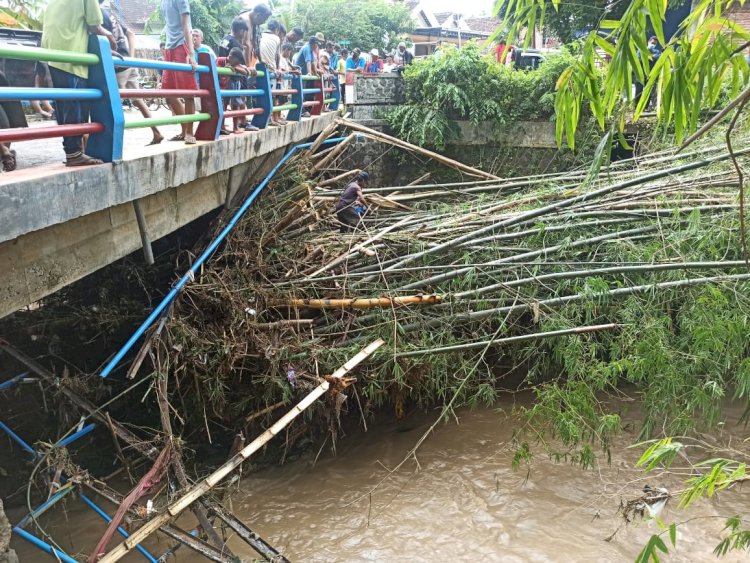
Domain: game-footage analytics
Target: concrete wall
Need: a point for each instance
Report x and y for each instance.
(374, 95)
(62, 227)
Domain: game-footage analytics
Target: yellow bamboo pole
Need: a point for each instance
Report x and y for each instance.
(202, 487)
(382, 137)
(357, 303)
(339, 178)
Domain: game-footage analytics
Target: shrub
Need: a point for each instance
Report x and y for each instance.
(464, 84)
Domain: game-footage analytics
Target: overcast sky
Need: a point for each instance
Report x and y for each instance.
(465, 7)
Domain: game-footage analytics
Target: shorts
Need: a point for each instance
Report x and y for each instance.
(237, 83)
(280, 100)
(175, 79)
(128, 79)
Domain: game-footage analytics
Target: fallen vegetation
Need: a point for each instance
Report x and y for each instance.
(576, 285)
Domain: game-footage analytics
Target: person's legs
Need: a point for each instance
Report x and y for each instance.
(72, 113)
(187, 128)
(348, 218)
(130, 79)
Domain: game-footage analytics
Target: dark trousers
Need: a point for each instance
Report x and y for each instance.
(349, 218)
(70, 112)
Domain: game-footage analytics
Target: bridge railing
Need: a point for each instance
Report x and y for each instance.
(108, 124)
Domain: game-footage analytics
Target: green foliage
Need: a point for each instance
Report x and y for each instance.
(24, 14)
(737, 539)
(649, 554)
(367, 24)
(689, 76)
(464, 84)
(212, 17)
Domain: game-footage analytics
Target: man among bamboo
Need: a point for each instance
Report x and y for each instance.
(352, 203)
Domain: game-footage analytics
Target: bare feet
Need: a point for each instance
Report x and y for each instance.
(158, 138)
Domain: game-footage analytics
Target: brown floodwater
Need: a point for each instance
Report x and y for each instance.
(460, 501)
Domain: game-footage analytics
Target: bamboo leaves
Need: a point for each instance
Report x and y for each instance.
(696, 65)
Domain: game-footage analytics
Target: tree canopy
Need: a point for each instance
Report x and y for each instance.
(365, 24)
(700, 59)
(212, 17)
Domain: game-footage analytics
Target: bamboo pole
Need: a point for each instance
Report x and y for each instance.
(359, 247)
(339, 178)
(509, 340)
(373, 303)
(564, 204)
(378, 136)
(324, 134)
(201, 488)
(333, 155)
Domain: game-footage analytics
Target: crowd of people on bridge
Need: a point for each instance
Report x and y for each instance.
(254, 37)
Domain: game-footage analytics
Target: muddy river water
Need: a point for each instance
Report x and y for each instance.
(462, 503)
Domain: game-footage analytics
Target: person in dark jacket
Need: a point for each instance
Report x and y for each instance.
(352, 203)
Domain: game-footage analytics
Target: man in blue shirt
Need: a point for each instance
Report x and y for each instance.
(307, 57)
(355, 63)
(333, 56)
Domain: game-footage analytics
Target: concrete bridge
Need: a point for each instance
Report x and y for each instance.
(59, 224)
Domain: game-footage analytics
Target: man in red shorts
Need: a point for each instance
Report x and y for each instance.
(179, 49)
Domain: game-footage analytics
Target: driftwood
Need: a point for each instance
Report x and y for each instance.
(204, 486)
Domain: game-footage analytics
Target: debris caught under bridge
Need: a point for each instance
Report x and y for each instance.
(445, 290)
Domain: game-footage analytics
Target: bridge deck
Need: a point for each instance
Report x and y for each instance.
(59, 224)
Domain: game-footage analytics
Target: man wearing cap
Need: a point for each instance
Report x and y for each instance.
(307, 57)
(355, 63)
(376, 65)
(349, 201)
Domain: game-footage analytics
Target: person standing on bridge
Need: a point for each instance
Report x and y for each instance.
(352, 204)
(127, 77)
(66, 28)
(179, 49)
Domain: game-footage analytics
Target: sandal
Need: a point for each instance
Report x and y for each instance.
(81, 159)
(9, 161)
(190, 139)
(225, 132)
(179, 137)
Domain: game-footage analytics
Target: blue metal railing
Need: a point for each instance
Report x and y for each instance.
(108, 121)
(205, 255)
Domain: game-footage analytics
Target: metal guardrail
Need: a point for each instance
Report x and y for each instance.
(108, 124)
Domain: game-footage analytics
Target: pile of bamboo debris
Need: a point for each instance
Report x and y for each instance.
(446, 289)
(447, 274)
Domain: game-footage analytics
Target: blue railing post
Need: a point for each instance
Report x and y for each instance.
(264, 101)
(297, 99)
(107, 110)
(213, 104)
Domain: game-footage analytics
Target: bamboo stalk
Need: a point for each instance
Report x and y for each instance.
(358, 247)
(338, 149)
(378, 136)
(201, 488)
(557, 206)
(339, 178)
(375, 302)
(508, 340)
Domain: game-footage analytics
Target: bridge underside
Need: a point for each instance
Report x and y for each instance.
(58, 225)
